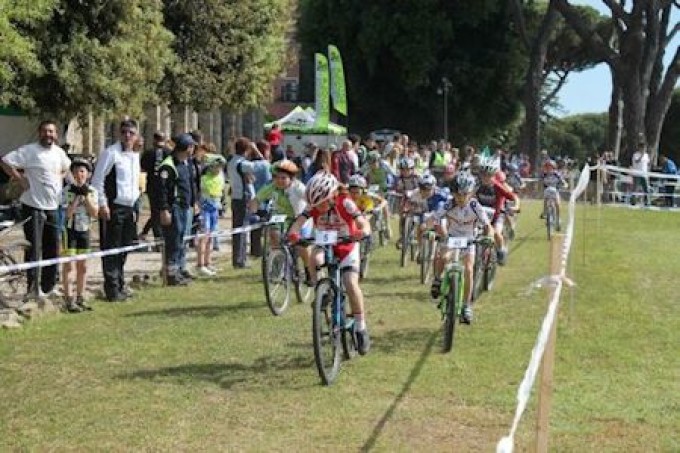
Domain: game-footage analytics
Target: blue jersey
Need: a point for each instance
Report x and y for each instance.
(437, 202)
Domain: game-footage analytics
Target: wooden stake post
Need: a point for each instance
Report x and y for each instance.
(545, 389)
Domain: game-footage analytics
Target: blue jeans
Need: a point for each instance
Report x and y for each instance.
(175, 249)
(189, 220)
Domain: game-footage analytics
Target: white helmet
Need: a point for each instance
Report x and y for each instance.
(357, 181)
(427, 180)
(320, 188)
(489, 166)
(464, 183)
(406, 163)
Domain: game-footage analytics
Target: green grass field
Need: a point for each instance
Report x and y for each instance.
(209, 368)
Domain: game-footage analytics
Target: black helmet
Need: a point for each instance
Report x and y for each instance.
(80, 162)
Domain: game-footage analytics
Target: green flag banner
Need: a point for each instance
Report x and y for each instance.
(338, 90)
(321, 91)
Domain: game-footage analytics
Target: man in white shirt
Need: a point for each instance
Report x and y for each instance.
(116, 180)
(44, 166)
(640, 162)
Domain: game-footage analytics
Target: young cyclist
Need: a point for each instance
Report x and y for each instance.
(460, 220)
(366, 202)
(428, 199)
(288, 196)
(378, 172)
(405, 185)
(81, 208)
(492, 193)
(337, 212)
(552, 182)
(212, 188)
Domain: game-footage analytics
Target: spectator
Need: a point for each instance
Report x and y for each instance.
(175, 203)
(275, 140)
(150, 163)
(355, 141)
(668, 167)
(261, 171)
(116, 180)
(212, 186)
(44, 166)
(308, 158)
(320, 162)
(81, 201)
(640, 163)
(290, 153)
(342, 163)
(237, 170)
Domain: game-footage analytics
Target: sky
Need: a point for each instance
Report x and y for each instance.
(590, 91)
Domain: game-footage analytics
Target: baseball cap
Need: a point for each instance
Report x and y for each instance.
(184, 141)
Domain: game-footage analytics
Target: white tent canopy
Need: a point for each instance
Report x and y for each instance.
(303, 121)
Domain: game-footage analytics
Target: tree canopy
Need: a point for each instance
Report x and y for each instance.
(228, 51)
(104, 56)
(18, 57)
(396, 53)
(577, 136)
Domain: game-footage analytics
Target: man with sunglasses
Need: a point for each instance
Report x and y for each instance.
(116, 180)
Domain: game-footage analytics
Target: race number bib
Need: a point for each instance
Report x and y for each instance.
(328, 237)
(457, 243)
(279, 218)
(373, 189)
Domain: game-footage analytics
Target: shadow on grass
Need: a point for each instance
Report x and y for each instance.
(264, 371)
(414, 335)
(402, 340)
(206, 311)
(250, 277)
(528, 236)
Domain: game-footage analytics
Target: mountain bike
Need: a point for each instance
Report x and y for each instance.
(378, 222)
(408, 237)
(427, 246)
(552, 218)
(12, 283)
(452, 287)
(365, 248)
(281, 270)
(332, 322)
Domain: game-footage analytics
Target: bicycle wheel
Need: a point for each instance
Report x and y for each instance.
(13, 284)
(365, 252)
(550, 219)
(425, 251)
(265, 251)
(349, 339)
(451, 313)
(478, 277)
(303, 291)
(326, 335)
(380, 226)
(489, 269)
(277, 281)
(405, 240)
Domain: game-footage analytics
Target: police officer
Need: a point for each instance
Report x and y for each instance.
(177, 197)
(151, 161)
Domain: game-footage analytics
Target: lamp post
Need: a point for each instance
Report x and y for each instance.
(443, 90)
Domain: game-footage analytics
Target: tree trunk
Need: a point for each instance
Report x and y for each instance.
(615, 128)
(633, 116)
(531, 130)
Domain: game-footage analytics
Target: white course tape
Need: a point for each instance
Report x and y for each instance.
(632, 172)
(116, 251)
(506, 444)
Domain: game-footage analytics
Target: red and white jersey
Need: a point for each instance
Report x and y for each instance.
(341, 218)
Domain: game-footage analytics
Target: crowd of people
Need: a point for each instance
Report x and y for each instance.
(330, 187)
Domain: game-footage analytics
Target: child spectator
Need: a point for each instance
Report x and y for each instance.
(212, 187)
(81, 207)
